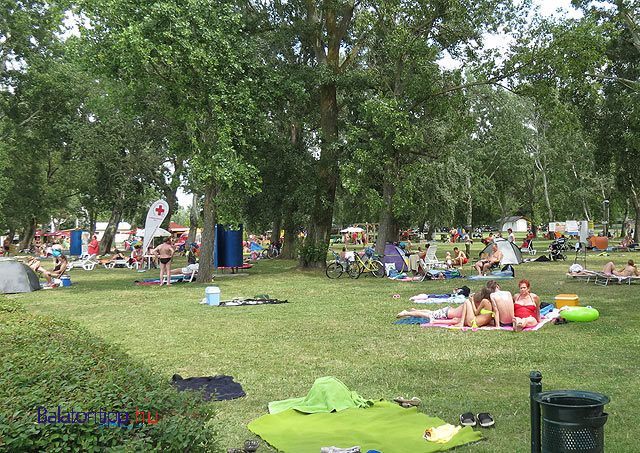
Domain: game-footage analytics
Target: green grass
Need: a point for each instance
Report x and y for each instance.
(344, 328)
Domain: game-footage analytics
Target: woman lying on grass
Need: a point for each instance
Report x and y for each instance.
(476, 311)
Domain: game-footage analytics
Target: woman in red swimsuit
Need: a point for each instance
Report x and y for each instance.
(526, 308)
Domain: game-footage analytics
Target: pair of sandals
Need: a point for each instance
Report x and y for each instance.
(249, 447)
(406, 403)
(485, 419)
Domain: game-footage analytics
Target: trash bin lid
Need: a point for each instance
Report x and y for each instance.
(571, 398)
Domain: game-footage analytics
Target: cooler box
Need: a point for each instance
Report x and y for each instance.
(567, 299)
(213, 295)
(66, 280)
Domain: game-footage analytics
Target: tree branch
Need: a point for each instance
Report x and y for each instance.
(631, 84)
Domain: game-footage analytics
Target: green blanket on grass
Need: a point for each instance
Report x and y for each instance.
(385, 427)
(327, 394)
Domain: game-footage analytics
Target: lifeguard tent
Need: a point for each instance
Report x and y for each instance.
(16, 277)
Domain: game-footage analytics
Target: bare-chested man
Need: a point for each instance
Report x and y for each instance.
(483, 266)
(165, 252)
(502, 303)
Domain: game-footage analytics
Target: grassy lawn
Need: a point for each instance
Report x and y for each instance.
(344, 328)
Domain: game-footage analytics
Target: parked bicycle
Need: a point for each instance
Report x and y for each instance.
(340, 265)
(370, 264)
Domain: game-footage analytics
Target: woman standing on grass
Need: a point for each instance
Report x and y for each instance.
(526, 308)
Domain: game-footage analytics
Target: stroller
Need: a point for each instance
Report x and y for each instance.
(558, 247)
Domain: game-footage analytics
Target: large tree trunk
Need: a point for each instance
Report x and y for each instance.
(328, 23)
(193, 219)
(28, 234)
(542, 167)
(469, 225)
(636, 208)
(109, 233)
(205, 270)
(290, 237)
(92, 222)
(275, 230)
(322, 213)
(388, 229)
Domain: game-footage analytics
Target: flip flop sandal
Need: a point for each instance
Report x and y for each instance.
(467, 419)
(251, 445)
(486, 420)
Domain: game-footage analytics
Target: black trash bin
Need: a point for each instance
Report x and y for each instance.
(572, 421)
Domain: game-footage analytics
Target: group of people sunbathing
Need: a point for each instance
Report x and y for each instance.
(491, 306)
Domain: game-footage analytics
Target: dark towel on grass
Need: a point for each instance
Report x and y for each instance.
(237, 303)
(219, 387)
(412, 320)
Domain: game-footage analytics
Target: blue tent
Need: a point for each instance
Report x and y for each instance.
(394, 254)
(255, 247)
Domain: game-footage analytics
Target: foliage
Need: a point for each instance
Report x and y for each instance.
(344, 328)
(48, 362)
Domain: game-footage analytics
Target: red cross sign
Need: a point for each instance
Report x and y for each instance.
(160, 210)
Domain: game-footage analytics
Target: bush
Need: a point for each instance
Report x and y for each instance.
(48, 363)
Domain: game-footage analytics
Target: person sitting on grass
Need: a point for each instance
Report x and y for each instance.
(502, 303)
(484, 265)
(60, 267)
(459, 258)
(630, 270)
(526, 308)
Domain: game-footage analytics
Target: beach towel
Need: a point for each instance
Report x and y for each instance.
(411, 320)
(469, 329)
(241, 302)
(219, 387)
(457, 299)
(497, 275)
(327, 394)
(385, 427)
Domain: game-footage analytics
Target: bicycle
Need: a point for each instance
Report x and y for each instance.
(339, 266)
(371, 265)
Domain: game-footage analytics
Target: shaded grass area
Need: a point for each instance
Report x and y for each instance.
(344, 328)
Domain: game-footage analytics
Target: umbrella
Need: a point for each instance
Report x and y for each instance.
(352, 230)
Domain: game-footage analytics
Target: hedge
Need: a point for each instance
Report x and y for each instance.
(48, 362)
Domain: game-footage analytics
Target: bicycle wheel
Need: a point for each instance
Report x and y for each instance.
(334, 270)
(354, 270)
(377, 268)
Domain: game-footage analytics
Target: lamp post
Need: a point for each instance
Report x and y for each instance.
(605, 214)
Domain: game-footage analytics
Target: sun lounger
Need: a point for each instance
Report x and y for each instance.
(603, 279)
(86, 262)
(586, 275)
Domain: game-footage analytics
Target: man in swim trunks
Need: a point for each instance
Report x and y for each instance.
(502, 303)
(483, 266)
(165, 252)
(459, 258)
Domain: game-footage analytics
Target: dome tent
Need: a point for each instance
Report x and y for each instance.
(510, 253)
(16, 277)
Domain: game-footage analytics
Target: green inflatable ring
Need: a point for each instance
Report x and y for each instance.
(582, 314)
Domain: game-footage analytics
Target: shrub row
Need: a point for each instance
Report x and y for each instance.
(48, 362)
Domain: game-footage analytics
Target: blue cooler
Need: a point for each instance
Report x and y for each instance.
(213, 295)
(66, 280)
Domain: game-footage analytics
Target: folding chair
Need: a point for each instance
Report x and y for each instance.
(430, 260)
(529, 248)
(86, 262)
